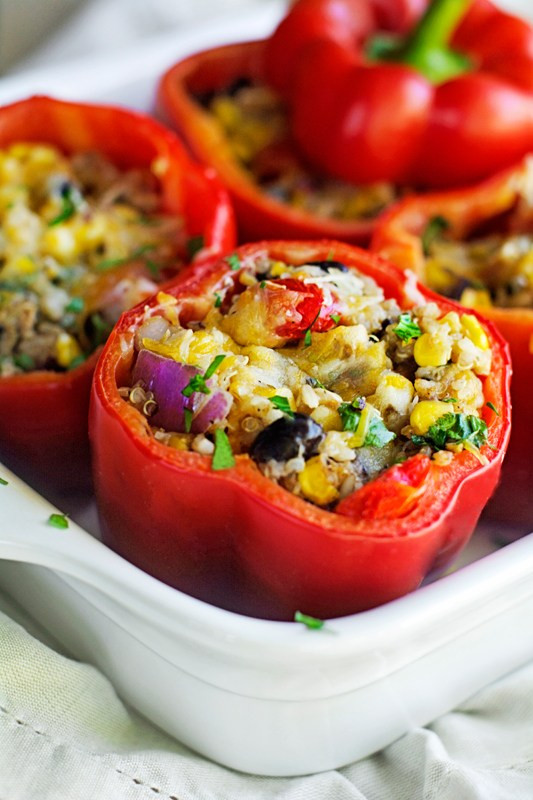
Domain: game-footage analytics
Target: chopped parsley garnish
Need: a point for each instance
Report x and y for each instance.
(450, 400)
(68, 206)
(262, 284)
(454, 429)
(493, 408)
(198, 382)
(378, 435)
(24, 361)
(234, 261)
(100, 329)
(312, 623)
(3, 482)
(75, 305)
(406, 329)
(307, 335)
(283, 404)
(314, 382)
(223, 457)
(336, 318)
(218, 300)
(435, 228)
(187, 415)
(194, 245)
(58, 521)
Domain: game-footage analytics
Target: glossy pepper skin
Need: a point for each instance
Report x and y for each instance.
(43, 414)
(258, 215)
(233, 537)
(398, 239)
(366, 120)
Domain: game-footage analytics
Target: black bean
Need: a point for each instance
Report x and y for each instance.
(282, 439)
(328, 265)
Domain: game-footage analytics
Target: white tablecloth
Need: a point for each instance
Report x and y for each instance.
(65, 735)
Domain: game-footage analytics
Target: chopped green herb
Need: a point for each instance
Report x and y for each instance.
(262, 284)
(450, 400)
(435, 228)
(307, 336)
(223, 457)
(75, 305)
(378, 435)
(153, 268)
(406, 329)
(58, 521)
(24, 361)
(218, 300)
(312, 623)
(198, 382)
(454, 429)
(100, 329)
(336, 318)
(187, 414)
(330, 255)
(68, 206)
(314, 382)
(283, 404)
(3, 482)
(213, 366)
(493, 408)
(77, 361)
(194, 245)
(234, 261)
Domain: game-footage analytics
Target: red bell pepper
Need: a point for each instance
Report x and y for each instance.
(258, 214)
(235, 538)
(374, 95)
(399, 238)
(43, 414)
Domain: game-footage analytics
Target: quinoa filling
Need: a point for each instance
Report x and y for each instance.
(314, 374)
(254, 123)
(80, 242)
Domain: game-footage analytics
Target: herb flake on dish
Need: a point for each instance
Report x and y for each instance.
(313, 623)
(407, 329)
(223, 457)
(58, 521)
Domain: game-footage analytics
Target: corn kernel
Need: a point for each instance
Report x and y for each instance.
(19, 266)
(327, 417)
(159, 166)
(277, 269)
(426, 413)
(227, 112)
(314, 483)
(432, 350)
(475, 298)
(453, 320)
(438, 277)
(60, 242)
(66, 349)
(473, 329)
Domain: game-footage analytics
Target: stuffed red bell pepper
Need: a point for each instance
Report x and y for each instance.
(376, 95)
(98, 206)
(219, 102)
(299, 427)
(476, 245)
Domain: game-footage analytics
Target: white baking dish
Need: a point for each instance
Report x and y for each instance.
(264, 697)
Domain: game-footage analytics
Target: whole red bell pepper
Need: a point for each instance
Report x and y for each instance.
(43, 414)
(237, 539)
(375, 95)
(258, 214)
(481, 208)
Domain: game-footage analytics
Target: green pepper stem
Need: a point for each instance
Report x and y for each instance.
(427, 48)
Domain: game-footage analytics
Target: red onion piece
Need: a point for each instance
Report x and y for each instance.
(167, 378)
